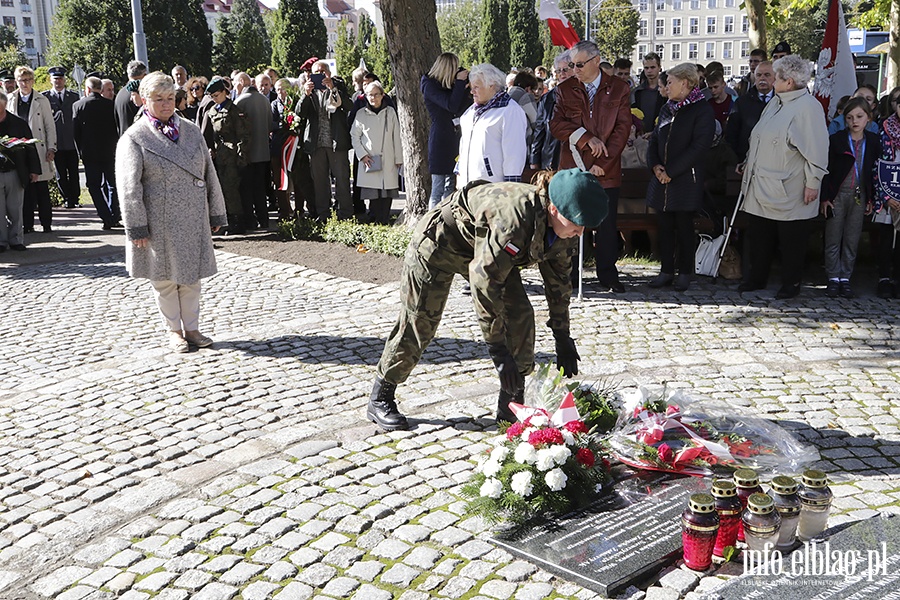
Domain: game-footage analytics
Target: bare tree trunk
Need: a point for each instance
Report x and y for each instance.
(894, 56)
(413, 44)
(756, 14)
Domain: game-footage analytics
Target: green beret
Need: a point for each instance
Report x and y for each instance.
(579, 197)
(216, 85)
(133, 85)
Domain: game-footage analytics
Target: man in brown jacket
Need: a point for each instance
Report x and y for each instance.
(593, 118)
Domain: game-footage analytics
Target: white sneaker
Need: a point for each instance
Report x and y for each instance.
(177, 343)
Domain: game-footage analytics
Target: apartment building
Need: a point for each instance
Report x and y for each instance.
(31, 20)
(697, 31)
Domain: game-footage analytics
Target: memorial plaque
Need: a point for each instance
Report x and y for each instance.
(631, 531)
(859, 562)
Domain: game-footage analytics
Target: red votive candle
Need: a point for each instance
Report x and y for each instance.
(728, 507)
(747, 482)
(699, 525)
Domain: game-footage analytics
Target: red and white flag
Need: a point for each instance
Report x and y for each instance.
(835, 72)
(561, 31)
(567, 411)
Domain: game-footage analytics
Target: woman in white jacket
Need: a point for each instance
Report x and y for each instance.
(376, 142)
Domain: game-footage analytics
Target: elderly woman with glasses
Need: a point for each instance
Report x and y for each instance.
(376, 142)
(196, 88)
(787, 159)
(171, 201)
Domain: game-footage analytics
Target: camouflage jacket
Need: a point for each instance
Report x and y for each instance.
(228, 129)
(487, 230)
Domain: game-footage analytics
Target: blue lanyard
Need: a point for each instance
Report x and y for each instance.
(853, 152)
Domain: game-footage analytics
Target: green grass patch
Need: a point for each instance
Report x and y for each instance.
(386, 239)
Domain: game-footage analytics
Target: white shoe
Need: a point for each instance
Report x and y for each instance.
(177, 343)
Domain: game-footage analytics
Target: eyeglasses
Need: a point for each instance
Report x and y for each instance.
(563, 70)
(197, 88)
(580, 65)
(25, 79)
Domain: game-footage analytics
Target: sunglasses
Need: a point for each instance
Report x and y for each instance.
(196, 88)
(580, 65)
(563, 70)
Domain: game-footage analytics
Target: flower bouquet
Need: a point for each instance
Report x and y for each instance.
(541, 464)
(598, 404)
(675, 433)
(290, 122)
(12, 142)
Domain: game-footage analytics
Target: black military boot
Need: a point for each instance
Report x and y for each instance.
(504, 413)
(382, 408)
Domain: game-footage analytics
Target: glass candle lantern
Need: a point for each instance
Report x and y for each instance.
(699, 525)
(787, 503)
(761, 523)
(728, 507)
(747, 483)
(815, 504)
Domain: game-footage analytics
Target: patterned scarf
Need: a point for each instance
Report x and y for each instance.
(168, 128)
(500, 100)
(670, 108)
(891, 127)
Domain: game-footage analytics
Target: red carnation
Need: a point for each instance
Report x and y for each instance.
(666, 454)
(514, 430)
(545, 436)
(576, 427)
(585, 457)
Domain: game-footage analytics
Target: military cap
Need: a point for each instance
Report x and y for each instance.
(97, 74)
(6, 75)
(579, 197)
(782, 47)
(56, 72)
(217, 84)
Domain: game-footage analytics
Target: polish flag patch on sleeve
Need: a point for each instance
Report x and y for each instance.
(511, 249)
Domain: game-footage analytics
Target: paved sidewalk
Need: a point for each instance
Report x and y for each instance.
(248, 471)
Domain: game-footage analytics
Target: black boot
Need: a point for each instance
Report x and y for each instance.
(504, 413)
(382, 408)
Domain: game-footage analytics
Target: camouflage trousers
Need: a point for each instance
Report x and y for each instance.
(230, 180)
(424, 288)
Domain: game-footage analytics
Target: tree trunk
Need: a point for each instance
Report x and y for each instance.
(894, 56)
(756, 14)
(413, 44)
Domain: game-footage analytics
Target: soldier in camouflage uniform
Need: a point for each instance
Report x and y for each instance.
(486, 232)
(227, 133)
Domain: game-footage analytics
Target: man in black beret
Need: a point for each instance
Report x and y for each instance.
(781, 49)
(66, 158)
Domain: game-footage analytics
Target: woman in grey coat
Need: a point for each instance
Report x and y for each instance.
(171, 203)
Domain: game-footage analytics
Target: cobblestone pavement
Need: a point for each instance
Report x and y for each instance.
(248, 471)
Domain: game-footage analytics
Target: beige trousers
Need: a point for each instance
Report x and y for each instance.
(178, 304)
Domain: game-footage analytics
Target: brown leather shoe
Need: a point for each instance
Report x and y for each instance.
(197, 339)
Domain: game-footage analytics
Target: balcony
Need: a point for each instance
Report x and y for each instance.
(28, 29)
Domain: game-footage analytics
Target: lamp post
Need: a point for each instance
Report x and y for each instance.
(140, 40)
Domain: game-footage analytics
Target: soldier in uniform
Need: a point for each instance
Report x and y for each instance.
(66, 158)
(486, 232)
(227, 134)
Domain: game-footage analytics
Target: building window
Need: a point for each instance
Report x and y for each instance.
(676, 4)
(695, 26)
(710, 24)
(729, 25)
(710, 49)
(9, 21)
(729, 3)
(660, 27)
(745, 24)
(642, 51)
(745, 69)
(745, 49)
(695, 4)
(676, 51)
(29, 43)
(644, 5)
(727, 72)
(692, 51)
(642, 29)
(660, 50)
(710, 3)
(6, 3)
(660, 4)
(676, 26)
(726, 50)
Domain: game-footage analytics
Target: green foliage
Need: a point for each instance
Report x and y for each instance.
(803, 27)
(871, 14)
(346, 52)
(298, 32)
(494, 47)
(574, 12)
(597, 405)
(379, 62)
(42, 80)
(98, 34)
(616, 28)
(366, 45)
(460, 29)
(242, 41)
(524, 40)
(365, 237)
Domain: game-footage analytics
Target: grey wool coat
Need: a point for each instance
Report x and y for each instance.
(169, 193)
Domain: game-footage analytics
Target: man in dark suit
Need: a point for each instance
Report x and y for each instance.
(746, 112)
(254, 184)
(94, 127)
(19, 166)
(125, 109)
(66, 158)
(545, 148)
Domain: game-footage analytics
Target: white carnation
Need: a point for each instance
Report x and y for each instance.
(490, 468)
(560, 454)
(492, 488)
(527, 432)
(545, 460)
(499, 454)
(555, 479)
(568, 437)
(521, 483)
(539, 420)
(525, 453)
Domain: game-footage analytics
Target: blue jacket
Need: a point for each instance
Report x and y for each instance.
(443, 105)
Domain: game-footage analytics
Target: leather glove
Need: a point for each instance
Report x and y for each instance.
(566, 355)
(511, 381)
